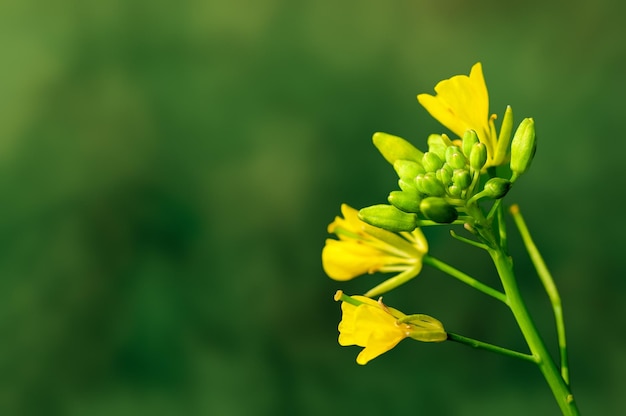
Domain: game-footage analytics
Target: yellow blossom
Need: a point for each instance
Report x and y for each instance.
(362, 248)
(461, 104)
(378, 328)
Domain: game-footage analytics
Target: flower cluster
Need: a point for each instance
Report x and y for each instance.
(440, 186)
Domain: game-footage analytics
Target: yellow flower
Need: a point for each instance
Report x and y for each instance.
(378, 328)
(461, 104)
(362, 248)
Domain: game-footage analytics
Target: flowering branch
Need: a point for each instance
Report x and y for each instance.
(458, 181)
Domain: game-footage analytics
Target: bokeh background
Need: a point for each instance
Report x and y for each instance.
(168, 170)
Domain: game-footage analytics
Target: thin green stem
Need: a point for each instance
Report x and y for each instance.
(548, 284)
(490, 347)
(467, 240)
(394, 281)
(557, 384)
(465, 278)
(504, 242)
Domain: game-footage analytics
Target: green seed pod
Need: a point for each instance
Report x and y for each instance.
(428, 184)
(438, 143)
(496, 188)
(389, 218)
(438, 210)
(478, 156)
(470, 138)
(408, 169)
(523, 146)
(462, 178)
(455, 158)
(394, 148)
(431, 162)
(405, 201)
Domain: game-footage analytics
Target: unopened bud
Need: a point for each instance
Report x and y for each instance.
(408, 169)
(523, 147)
(455, 158)
(431, 162)
(389, 218)
(405, 201)
(469, 139)
(394, 148)
(444, 175)
(438, 143)
(438, 210)
(462, 178)
(428, 184)
(407, 185)
(496, 188)
(478, 156)
(454, 191)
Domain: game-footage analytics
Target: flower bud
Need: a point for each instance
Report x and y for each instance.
(408, 185)
(496, 188)
(405, 201)
(462, 178)
(523, 146)
(455, 158)
(469, 139)
(389, 218)
(454, 191)
(438, 210)
(431, 162)
(478, 156)
(444, 175)
(438, 143)
(408, 169)
(428, 184)
(394, 148)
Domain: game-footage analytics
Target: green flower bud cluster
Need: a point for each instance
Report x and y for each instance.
(438, 184)
(444, 182)
(434, 185)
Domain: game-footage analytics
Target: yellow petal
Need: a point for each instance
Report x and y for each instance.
(379, 343)
(344, 260)
(372, 326)
(461, 103)
(349, 222)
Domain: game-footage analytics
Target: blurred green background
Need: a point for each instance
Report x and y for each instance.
(169, 169)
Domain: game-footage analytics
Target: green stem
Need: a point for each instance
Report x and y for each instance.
(394, 282)
(559, 388)
(548, 284)
(490, 347)
(501, 225)
(446, 268)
